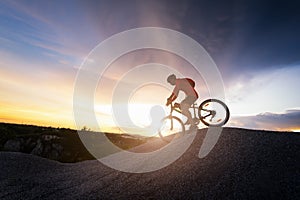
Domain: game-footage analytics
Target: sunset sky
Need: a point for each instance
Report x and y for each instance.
(255, 45)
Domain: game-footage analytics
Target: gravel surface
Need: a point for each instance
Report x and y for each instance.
(244, 164)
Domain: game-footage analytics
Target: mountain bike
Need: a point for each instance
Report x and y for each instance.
(211, 112)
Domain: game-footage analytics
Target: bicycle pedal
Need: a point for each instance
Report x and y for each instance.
(177, 105)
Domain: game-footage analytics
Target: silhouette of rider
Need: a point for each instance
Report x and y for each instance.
(187, 86)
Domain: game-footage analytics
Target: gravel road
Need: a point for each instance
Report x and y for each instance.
(244, 164)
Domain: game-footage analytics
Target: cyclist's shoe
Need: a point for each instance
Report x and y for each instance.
(177, 105)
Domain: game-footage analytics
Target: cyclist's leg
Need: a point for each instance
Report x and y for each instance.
(185, 105)
(186, 112)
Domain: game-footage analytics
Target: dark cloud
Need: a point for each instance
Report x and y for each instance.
(290, 120)
(241, 36)
(246, 36)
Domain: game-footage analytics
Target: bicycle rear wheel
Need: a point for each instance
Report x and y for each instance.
(213, 112)
(171, 128)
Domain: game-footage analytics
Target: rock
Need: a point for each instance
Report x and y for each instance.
(38, 149)
(47, 149)
(13, 145)
(57, 147)
(48, 146)
(49, 137)
(29, 145)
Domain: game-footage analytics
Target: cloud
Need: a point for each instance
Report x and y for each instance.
(35, 29)
(270, 90)
(289, 120)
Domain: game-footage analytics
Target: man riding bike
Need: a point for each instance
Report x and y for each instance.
(187, 86)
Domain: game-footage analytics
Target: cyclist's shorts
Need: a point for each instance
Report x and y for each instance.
(189, 100)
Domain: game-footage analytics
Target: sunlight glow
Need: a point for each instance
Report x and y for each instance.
(142, 116)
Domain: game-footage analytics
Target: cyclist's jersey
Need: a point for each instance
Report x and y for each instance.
(185, 86)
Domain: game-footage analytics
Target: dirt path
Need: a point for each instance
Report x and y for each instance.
(243, 164)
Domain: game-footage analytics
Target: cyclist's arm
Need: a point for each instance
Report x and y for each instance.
(173, 95)
(170, 99)
(175, 92)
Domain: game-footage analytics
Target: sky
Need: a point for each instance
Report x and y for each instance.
(255, 45)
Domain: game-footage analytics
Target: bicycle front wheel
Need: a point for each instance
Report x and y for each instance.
(213, 112)
(171, 128)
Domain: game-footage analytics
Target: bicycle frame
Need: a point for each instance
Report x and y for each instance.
(176, 108)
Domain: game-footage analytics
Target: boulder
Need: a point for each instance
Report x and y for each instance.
(46, 147)
(13, 145)
(38, 149)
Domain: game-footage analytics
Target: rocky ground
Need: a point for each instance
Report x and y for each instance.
(244, 164)
(60, 144)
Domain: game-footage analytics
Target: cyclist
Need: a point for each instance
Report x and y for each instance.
(187, 86)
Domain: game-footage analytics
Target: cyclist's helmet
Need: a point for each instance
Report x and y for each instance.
(170, 78)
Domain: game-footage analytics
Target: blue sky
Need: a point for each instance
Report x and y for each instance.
(255, 44)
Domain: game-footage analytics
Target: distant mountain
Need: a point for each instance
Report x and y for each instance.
(244, 164)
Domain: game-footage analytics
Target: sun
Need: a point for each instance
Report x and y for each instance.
(143, 118)
(143, 115)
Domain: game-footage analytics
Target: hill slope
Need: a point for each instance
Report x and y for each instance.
(245, 164)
